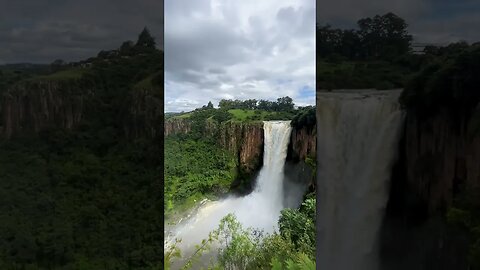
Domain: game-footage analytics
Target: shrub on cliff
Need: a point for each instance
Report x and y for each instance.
(450, 82)
(305, 117)
(222, 116)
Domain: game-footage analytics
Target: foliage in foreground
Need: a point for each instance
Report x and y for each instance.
(195, 169)
(239, 248)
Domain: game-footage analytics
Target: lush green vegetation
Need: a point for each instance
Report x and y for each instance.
(241, 111)
(73, 202)
(240, 115)
(12, 73)
(244, 110)
(381, 75)
(259, 115)
(449, 81)
(377, 38)
(305, 117)
(282, 104)
(463, 215)
(293, 247)
(88, 198)
(194, 170)
(376, 55)
(72, 73)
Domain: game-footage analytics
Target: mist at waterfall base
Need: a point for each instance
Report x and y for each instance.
(261, 208)
(357, 136)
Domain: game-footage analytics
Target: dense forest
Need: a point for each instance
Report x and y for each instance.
(87, 196)
(377, 54)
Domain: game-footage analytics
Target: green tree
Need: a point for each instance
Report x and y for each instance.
(127, 47)
(145, 39)
(285, 104)
(384, 36)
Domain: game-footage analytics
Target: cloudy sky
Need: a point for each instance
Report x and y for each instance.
(40, 31)
(431, 21)
(230, 49)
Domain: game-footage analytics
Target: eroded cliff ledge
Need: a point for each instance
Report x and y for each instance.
(146, 113)
(176, 126)
(244, 140)
(303, 143)
(302, 154)
(31, 106)
(438, 167)
(442, 155)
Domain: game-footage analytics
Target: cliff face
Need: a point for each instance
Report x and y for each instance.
(176, 126)
(441, 159)
(439, 163)
(303, 143)
(245, 139)
(146, 114)
(246, 142)
(29, 107)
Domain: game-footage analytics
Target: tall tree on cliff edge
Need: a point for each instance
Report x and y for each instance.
(378, 38)
(384, 36)
(145, 39)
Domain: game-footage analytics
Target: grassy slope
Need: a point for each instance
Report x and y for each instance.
(71, 73)
(242, 115)
(360, 74)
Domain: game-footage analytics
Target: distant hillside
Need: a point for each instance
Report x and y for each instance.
(80, 163)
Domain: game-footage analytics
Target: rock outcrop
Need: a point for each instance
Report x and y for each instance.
(246, 141)
(442, 158)
(31, 106)
(176, 126)
(146, 114)
(303, 143)
(438, 164)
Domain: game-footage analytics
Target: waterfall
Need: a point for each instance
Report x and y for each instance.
(357, 136)
(261, 208)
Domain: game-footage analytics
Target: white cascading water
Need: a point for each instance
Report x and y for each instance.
(260, 209)
(358, 133)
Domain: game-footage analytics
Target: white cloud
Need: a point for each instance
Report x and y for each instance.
(238, 50)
